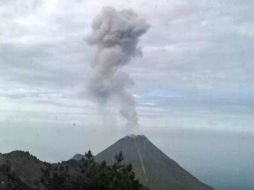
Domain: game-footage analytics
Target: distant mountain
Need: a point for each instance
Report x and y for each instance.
(78, 157)
(152, 167)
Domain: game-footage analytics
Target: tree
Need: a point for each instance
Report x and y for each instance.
(119, 157)
(85, 174)
(9, 180)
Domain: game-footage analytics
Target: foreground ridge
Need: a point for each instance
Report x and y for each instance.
(22, 171)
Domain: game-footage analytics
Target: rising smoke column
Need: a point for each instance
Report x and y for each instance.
(115, 35)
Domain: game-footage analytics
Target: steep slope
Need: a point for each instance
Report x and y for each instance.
(25, 165)
(152, 167)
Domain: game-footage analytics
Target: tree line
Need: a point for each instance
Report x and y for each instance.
(85, 174)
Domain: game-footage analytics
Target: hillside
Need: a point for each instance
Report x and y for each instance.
(152, 167)
(26, 166)
(22, 171)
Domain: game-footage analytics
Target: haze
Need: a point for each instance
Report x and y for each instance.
(193, 86)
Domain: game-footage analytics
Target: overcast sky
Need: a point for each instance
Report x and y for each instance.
(197, 72)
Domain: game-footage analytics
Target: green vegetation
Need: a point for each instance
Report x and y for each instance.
(85, 174)
(9, 180)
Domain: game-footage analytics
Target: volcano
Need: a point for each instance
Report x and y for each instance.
(152, 167)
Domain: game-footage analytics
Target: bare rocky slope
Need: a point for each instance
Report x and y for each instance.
(152, 167)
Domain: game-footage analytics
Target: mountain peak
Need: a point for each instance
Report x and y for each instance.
(152, 167)
(136, 136)
(133, 136)
(78, 157)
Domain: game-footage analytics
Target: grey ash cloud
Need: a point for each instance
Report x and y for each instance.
(196, 77)
(197, 60)
(116, 35)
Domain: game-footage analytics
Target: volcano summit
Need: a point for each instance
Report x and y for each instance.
(152, 167)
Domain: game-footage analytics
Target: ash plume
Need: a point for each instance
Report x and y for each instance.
(115, 35)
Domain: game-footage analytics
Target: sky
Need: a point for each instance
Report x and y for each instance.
(194, 84)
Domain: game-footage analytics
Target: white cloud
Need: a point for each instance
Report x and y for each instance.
(197, 59)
